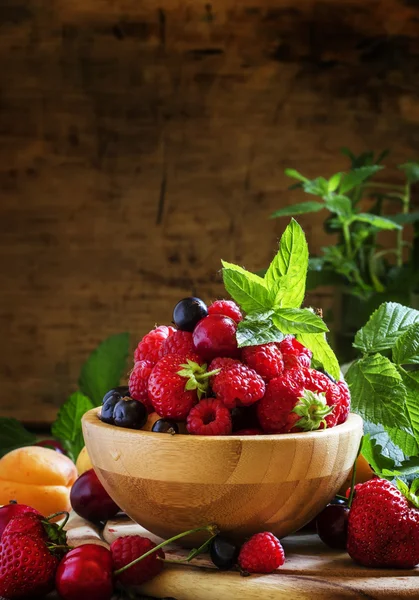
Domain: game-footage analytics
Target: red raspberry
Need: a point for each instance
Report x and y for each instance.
(238, 385)
(149, 347)
(249, 431)
(345, 401)
(209, 417)
(221, 363)
(167, 388)
(126, 549)
(294, 354)
(215, 335)
(265, 359)
(180, 342)
(263, 553)
(228, 308)
(138, 382)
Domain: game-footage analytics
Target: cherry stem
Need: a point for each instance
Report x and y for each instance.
(57, 514)
(192, 554)
(351, 495)
(212, 529)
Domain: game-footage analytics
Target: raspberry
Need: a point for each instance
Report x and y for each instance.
(263, 553)
(149, 347)
(180, 342)
(294, 354)
(138, 382)
(265, 359)
(345, 401)
(126, 549)
(209, 417)
(238, 385)
(215, 335)
(221, 363)
(228, 308)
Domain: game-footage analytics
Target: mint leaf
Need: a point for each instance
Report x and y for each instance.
(404, 218)
(385, 326)
(378, 394)
(411, 171)
(376, 221)
(322, 352)
(341, 205)
(298, 320)
(13, 435)
(406, 349)
(298, 209)
(291, 262)
(411, 383)
(295, 174)
(334, 182)
(246, 288)
(356, 176)
(317, 187)
(256, 329)
(104, 368)
(67, 427)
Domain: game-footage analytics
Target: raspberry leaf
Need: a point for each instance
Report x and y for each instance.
(298, 320)
(384, 327)
(257, 328)
(323, 354)
(246, 288)
(407, 493)
(67, 427)
(384, 465)
(312, 408)
(411, 383)
(406, 348)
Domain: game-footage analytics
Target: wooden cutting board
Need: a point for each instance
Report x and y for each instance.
(311, 572)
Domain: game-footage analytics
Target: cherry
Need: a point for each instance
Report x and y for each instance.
(332, 525)
(90, 500)
(188, 312)
(165, 426)
(85, 573)
(52, 444)
(215, 336)
(223, 553)
(13, 509)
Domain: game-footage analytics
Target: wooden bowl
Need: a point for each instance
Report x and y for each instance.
(244, 484)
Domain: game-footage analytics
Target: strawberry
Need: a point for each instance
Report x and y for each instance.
(383, 525)
(27, 523)
(13, 509)
(27, 568)
(126, 549)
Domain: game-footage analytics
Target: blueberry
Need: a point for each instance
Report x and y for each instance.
(223, 553)
(120, 391)
(188, 312)
(106, 413)
(165, 426)
(130, 413)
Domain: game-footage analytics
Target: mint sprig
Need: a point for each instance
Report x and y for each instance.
(273, 303)
(67, 427)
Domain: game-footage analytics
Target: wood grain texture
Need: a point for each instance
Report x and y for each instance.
(142, 142)
(243, 484)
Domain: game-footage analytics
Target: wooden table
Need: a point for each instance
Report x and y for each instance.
(311, 572)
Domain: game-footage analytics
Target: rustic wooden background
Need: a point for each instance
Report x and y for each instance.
(142, 141)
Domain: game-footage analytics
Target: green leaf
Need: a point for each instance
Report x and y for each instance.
(341, 205)
(406, 349)
(378, 394)
(376, 221)
(392, 441)
(295, 174)
(373, 453)
(256, 329)
(291, 261)
(410, 466)
(298, 320)
(408, 493)
(322, 352)
(246, 288)
(334, 181)
(317, 187)
(298, 209)
(357, 176)
(67, 427)
(385, 326)
(104, 368)
(411, 383)
(404, 219)
(13, 435)
(411, 170)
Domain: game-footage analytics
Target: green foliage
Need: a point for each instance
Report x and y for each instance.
(13, 435)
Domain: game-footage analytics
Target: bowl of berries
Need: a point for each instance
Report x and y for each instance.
(237, 415)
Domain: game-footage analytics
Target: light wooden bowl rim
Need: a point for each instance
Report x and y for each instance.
(352, 423)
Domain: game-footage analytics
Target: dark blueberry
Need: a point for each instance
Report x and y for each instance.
(332, 526)
(244, 417)
(130, 413)
(106, 413)
(165, 426)
(223, 553)
(119, 391)
(188, 312)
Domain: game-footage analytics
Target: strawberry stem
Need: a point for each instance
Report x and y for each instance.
(351, 495)
(211, 529)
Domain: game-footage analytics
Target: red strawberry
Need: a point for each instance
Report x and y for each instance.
(149, 347)
(209, 417)
(345, 401)
(228, 308)
(265, 359)
(13, 509)
(294, 354)
(238, 385)
(383, 526)
(175, 384)
(28, 523)
(263, 553)
(180, 342)
(126, 549)
(27, 568)
(138, 382)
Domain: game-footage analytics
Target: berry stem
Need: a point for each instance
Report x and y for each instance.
(211, 529)
(351, 495)
(192, 554)
(57, 514)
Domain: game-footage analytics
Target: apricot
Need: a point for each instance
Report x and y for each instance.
(83, 462)
(39, 477)
(363, 473)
